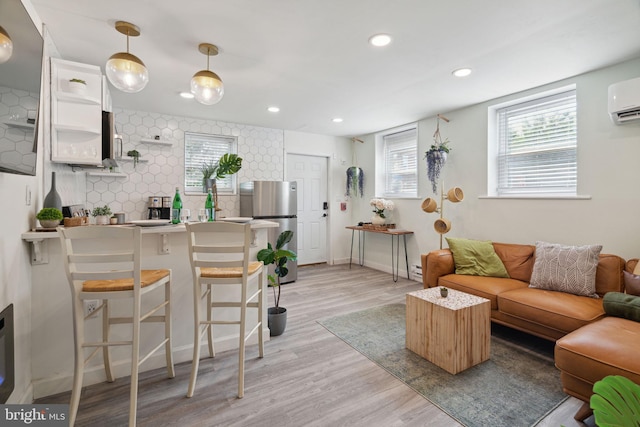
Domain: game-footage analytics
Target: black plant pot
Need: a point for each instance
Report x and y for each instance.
(277, 320)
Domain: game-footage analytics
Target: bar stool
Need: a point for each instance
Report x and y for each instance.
(104, 263)
(219, 255)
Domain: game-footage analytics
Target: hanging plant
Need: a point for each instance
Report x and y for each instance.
(355, 182)
(436, 156)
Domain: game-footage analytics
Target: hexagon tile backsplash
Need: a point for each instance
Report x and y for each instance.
(162, 166)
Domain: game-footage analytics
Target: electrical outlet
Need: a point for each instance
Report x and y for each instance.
(90, 305)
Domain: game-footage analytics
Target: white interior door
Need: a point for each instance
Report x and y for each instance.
(311, 174)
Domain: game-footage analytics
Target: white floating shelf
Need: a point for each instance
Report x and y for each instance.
(130, 159)
(108, 174)
(80, 99)
(152, 141)
(19, 125)
(74, 128)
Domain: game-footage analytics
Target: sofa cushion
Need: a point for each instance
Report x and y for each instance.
(622, 305)
(517, 259)
(485, 287)
(570, 269)
(557, 310)
(476, 257)
(631, 283)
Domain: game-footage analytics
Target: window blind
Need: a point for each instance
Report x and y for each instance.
(537, 150)
(202, 148)
(401, 164)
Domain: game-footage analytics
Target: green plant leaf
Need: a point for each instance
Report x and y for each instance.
(284, 238)
(616, 401)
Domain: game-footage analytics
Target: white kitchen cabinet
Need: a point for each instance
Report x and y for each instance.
(76, 115)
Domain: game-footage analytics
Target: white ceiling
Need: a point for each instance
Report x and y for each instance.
(311, 57)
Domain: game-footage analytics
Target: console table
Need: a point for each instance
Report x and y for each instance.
(395, 242)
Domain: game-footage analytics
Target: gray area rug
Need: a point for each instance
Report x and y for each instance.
(517, 386)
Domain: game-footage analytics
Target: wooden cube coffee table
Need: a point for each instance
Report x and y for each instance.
(453, 333)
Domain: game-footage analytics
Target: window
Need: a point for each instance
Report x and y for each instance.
(397, 154)
(200, 148)
(536, 146)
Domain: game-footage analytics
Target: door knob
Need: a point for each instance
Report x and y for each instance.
(324, 215)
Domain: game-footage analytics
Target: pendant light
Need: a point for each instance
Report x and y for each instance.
(6, 46)
(125, 70)
(206, 85)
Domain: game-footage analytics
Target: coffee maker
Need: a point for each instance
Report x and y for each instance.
(159, 207)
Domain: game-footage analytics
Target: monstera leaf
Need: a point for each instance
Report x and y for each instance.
(616, 402)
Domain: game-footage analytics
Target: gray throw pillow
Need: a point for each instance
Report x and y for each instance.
(570, 269)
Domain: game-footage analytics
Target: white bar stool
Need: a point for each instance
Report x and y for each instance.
(103, 263)
(219, 255)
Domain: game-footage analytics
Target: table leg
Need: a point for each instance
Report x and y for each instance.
(351, 253)
(394, 267)
(406, 256)
(361, 236)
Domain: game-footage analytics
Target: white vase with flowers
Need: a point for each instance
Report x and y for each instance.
(381, 210)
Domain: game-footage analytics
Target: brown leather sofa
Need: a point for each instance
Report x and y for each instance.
(547, 314)
(608, 346)
(589, 346)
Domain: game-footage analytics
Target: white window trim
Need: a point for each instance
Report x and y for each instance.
(380, 186)
(492, 150)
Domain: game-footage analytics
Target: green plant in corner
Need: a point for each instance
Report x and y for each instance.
(279, 257)
(616, 401)
(49, 214)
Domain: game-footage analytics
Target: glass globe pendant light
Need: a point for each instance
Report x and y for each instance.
(124, 70)
(6, 46)
(206, 85)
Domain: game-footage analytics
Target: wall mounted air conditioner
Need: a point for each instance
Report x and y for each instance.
(624, 101)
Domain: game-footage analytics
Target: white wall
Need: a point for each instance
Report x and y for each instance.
(608, 172)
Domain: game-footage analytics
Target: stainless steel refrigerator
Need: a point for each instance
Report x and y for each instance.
(275, 201)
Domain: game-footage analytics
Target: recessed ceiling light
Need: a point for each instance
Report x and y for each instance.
(379, 40)
(273, 109)
(336, 120)
(461, 72)
(187, 95)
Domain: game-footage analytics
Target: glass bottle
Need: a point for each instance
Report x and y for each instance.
(210, 206)
(176, 208)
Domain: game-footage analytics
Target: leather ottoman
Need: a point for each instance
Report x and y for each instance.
(608, 346)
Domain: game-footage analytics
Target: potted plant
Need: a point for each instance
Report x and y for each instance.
(136, 156)
(77, 86)
(228, 164)
(49, 217)
(102, 214)
(444, 292)
(436, 156)
(277, 316)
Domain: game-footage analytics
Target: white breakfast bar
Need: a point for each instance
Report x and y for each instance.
(51, 323)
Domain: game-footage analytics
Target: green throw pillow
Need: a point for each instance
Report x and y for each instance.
(622, 305)
(476, 258)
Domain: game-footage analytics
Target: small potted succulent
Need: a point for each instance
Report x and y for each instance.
(49, 217)
(444, 292)
(102, 214)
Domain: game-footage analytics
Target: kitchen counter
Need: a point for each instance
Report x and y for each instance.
(51, 322)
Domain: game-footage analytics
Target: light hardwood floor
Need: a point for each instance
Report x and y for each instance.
(308, 377)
